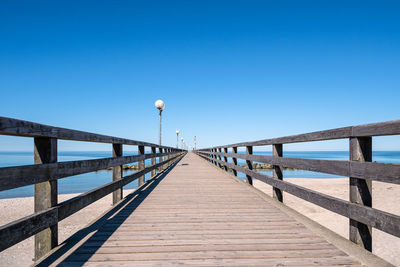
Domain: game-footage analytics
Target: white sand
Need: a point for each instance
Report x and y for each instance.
(385, 197)
(12, 209)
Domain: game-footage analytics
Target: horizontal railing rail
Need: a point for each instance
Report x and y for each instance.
(373, 129)
(383, 172)
(360, 169)
(46, 171)
(14, 177)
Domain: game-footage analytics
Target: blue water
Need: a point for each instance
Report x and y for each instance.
(378, 156)
(73, 184)
(88, 181)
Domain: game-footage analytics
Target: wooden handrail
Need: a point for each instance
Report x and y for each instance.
(46, 171)
(383, 172)
(360, 170)
(373, 129)
(15, 127)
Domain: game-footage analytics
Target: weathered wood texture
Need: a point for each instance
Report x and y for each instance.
(381, 220)
(117, 172)
(153, 160)
(10, 126)
(373, 129)
(234, 160)
(141, 165)
(45, 195)
(13, 177)
(277, 171)
(19, 230)
(383, 172)
(198, 215)
(360, 191)
(249, 151)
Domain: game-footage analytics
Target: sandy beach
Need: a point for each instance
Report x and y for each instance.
(385, 197)
(12, 209)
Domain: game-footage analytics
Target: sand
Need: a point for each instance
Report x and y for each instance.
(385, 197)
(12, 209)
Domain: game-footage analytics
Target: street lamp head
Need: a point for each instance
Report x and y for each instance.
(160, 104)
(177, 132)
(182, 139)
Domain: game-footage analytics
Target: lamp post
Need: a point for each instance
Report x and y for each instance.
(177, 138)
(160, 106)
(182, 142)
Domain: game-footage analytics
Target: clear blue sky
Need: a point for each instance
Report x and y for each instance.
(228, 71)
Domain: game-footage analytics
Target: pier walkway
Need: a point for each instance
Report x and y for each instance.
(194, 210)
(199, 215)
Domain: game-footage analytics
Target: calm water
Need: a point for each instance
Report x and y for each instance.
(73, 184)
(85, 182)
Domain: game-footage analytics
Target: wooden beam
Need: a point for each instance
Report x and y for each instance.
(277, 172)
(141, 165)
(366, 130)
(13, 177)
(117, 172)
(383, 172)
(234, 160)
(45, 196)
(225, 158)
(10, 126)
(160, 159)
(153, 160)
(361, 191)
(219, 157)
(249, 151)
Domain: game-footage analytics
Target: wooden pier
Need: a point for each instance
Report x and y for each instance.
(198, 215)
(194, 210)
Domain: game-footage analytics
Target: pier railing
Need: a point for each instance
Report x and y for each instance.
(46, 171)
(360, 169)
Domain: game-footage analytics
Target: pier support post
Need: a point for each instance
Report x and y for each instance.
(153, 160)
(220, 158)
(117, 172)
(234, 150)
(361, 191)
(168, 156)
(45, 195)
(226, 158)
(141, 165)
(160, 159)
(277, 171)
(249, 151)
(214, 156)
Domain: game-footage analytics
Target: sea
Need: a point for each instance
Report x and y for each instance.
(85, 182)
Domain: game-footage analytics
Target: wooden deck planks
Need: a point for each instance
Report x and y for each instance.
(199, 216)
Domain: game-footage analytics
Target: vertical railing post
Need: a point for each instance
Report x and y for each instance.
(117, 172)
(153, 160)
(168, 156)
(249, 151)
(219, 157)
(160, 159)
(45, 151)
(277, 151)
(361, 191)
(234, 160)
(212, 156)
(141, 165)
(226, 158)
